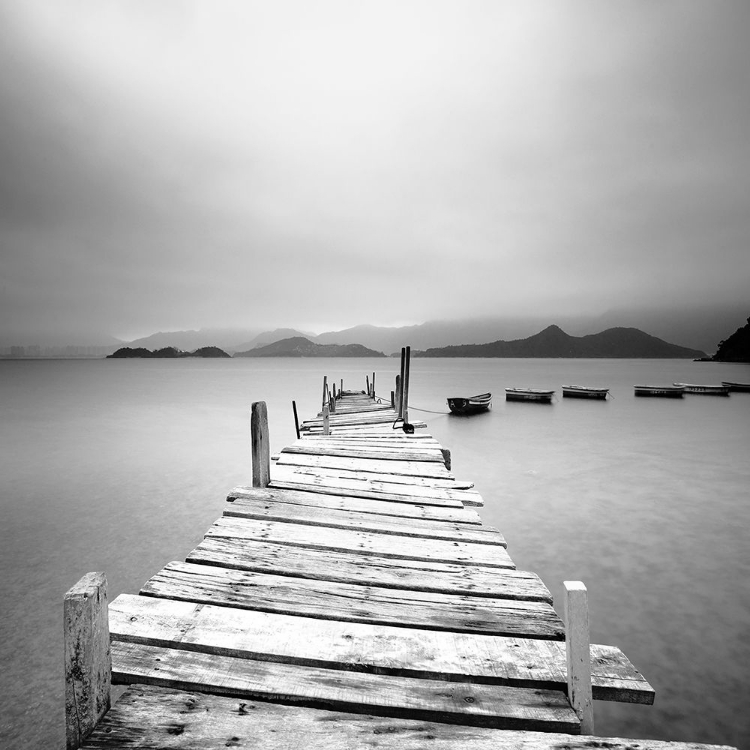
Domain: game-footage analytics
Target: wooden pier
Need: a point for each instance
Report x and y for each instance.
(351, 598)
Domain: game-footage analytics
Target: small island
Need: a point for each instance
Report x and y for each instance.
(168, 352)
(299, 346)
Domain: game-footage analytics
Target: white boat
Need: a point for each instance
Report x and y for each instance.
(529, 394)
(665, 391)
(705, 390)
(584, 391)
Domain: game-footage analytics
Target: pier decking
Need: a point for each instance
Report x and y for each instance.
(356, 600)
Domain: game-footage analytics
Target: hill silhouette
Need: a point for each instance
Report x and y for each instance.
(736, 348)
(623, 343)
(167, 352)
(299, 346)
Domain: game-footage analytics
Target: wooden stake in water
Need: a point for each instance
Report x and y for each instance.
(326, 421)
(296, 419)
(88, 662)
(261, 451)
(578, 654)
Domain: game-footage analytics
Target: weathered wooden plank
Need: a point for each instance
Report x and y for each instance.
(269, 510)
(412, 471)
(155, 717)
(426, 654)
(399, 697)
(454, 514)
(284, 477)
(360, 542)
(373, 476)
(383, 453)
(395, 573)
(329, 600)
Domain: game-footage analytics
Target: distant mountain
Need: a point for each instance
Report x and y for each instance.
(625, 343)
(433, 333)
(226, 338)
(168, 352)
(271, 337)
(299, 346)
(736, 348)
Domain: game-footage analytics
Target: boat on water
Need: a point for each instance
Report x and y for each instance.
(665, 391)
(734, 386)
(529, 394)
(584, 391)
(470, 404)
(705, 390)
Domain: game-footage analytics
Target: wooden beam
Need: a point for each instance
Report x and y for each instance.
(261, 452)
(577, 651)
(88, 662)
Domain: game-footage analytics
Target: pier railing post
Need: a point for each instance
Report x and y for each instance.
(88, 660)
(261, 451)
(578, 654)
(398, 396)
(405, 385)
(326, 421)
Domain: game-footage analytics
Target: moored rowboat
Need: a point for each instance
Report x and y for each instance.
(583, 391)
(528, 394)
(665, 391)
(470, 404)
(705, 390)
(733, 386)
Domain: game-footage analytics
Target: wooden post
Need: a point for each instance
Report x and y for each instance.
(393, 399)
(296, 420)
(325, 389)
(398, 395)
(578, 654)
(88, 661)
(326, 422)
(401, 384)
(261, 451)
(367, 382)
(341, 390)
(405, 385)
(373, 385)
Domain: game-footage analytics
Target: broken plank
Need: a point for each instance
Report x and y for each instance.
(353, 646)
(155, 717)
(348, 519)
(453, 514)
(386, 572)
(329, 600)
(360, 542)
(285, 477)
(412, 470)
(398, 697)
(383, 453)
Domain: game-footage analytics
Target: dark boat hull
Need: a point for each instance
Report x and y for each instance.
(573, 391)
(470, 404)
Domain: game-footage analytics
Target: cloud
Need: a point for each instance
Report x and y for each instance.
(188, 165)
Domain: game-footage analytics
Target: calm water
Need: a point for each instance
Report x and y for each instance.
(120, 466)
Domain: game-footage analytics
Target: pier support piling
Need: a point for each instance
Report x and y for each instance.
(577, 648)
(88, 661)
(261, 452)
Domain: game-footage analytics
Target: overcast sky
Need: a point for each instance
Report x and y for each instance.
(174, 165)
